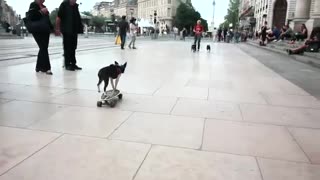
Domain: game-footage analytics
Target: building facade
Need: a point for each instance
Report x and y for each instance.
(127, 8)
(286, 12)
(103, 8)
(7, 14)
(165, 10)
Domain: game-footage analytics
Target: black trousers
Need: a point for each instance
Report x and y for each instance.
(123, 39)
(70, 43)
(43, 62)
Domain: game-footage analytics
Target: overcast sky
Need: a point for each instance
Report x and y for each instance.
(203, 6)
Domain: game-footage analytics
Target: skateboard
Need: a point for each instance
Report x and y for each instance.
(110, 98)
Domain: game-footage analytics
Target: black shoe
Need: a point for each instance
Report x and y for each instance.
(70, 68)
(38, 70)
(49, 72)
(77, 67)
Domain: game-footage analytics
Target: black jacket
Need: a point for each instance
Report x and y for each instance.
(123, 27)
(70, 18)
(34, 13)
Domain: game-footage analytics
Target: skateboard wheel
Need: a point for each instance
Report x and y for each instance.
(112, 103)
(99, 104)
(120, 96)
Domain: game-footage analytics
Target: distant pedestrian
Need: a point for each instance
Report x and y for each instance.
(198, 30)
(123, 29)
(264, 29)
(225, 33)
(69, 23)
(133, 33)
(176, 32)
(184, 33)
(36, 12)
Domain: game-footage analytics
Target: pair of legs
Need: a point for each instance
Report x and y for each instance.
(123, 40)
(106, 82)
(43, 62)
(133, 42)
(197, 39)
(70, 43)
(282, 36)
(301, 49)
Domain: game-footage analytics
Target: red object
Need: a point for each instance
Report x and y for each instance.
(198, 29)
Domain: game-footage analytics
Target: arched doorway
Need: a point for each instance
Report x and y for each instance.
(280, 13)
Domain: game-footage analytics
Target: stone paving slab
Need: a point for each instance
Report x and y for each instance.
(219, 115)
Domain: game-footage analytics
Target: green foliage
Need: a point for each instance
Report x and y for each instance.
(53, 16)
(187, 17)
(87, 13)
(233, 15)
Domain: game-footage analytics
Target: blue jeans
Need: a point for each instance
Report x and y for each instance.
(123, 39)
(197, 38)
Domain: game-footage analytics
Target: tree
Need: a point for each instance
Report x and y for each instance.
(187, 17)
(232, 16)
(53, 16)
(87, 13)
(98, 22)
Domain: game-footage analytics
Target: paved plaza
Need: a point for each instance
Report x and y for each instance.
(222, 115)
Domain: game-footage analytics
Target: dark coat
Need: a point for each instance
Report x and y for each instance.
(70, 18)
(34, 14)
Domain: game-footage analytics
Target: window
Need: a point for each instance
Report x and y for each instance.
(169, 12)
(169, 1)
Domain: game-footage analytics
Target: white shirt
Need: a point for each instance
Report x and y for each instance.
(133, 29)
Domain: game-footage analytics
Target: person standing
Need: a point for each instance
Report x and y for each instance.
(123, 29)
(264, 29)
(133, 33)
(176, 32)
(198, 29)
(36, 12)
(69, 23)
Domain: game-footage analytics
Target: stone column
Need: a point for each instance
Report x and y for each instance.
(314, 21)
(302, 9)
(316, 9)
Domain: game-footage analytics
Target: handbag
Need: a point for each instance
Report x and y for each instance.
(38, 26)
(118, 40)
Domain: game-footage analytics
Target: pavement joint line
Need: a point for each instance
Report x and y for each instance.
(175, 104)
(145, 157)
(298, 144)
(162, 145)
(118, 127)
(242, 117)
(159, 113)
(30, 156)
(258, 165)
(203, 132)
(211, 151)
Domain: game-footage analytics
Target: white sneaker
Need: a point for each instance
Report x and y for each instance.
(280, 40)
(275, 40)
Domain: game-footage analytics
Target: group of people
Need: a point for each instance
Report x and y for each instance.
(275, 35)
(69, 25)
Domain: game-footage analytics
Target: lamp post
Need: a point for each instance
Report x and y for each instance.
(155, 17)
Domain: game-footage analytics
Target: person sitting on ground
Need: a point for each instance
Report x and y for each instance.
(276, 32)
(270, 36)
(286, 33)
(314, 40)
(302, 34)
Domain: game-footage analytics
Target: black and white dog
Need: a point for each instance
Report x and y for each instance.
(193, 48)
(208, 48)
(112, 72)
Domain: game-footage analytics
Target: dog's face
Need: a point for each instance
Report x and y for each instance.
(122, 67)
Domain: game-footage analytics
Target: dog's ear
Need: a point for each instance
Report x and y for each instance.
(125, 65)
(116, 63)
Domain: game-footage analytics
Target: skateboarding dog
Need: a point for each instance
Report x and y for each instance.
(194, 48)
(208, 48)
(112, 72)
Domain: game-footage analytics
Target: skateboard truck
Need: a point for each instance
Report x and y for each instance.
(110, 98)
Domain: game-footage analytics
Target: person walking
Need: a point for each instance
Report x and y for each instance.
(123, 29)
(264, 29)
(198, 29)
(36, 12)
(69, 23)
(133, 33)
